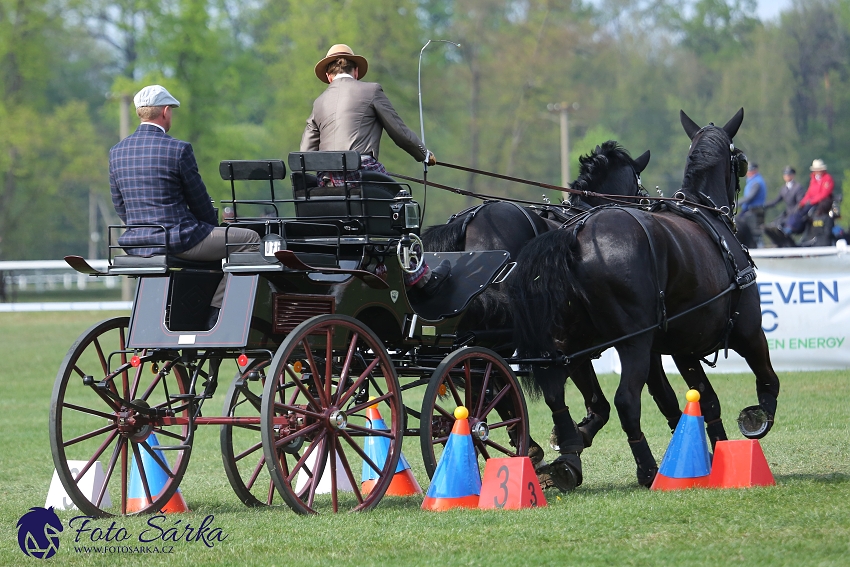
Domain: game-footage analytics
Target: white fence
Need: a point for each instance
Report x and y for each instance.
(41, 276)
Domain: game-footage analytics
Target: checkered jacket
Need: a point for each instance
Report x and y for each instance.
(154, 179)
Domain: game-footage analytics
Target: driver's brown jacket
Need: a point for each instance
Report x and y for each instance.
(350, 115)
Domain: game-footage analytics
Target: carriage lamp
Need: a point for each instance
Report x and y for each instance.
(404, 212)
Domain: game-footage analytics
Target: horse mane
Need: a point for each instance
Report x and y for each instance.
(708, 151)
(444, 237)
(594, 166)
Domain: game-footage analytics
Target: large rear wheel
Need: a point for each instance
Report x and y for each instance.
(120, 439)
(323, 450)
(480, 380)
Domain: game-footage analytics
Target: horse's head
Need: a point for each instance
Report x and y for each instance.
(713, 165)
(609, 170)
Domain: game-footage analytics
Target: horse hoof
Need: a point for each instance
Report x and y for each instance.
(646, 478)
(536, 454)
(553, 440)
(566, 472)
(589, 427)
(754, 422)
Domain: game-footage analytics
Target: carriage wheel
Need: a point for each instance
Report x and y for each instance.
(111, 454)
(317, 439)
(241, 444)
(482, 381)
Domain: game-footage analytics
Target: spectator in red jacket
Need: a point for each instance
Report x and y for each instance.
(818, 196)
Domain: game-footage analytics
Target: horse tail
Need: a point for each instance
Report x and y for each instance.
(544, 294)
(447, 237)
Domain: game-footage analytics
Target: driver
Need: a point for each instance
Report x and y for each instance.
(351, 116)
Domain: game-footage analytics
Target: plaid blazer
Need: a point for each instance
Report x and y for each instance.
(154, 179)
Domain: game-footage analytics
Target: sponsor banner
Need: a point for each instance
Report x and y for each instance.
(805, 301)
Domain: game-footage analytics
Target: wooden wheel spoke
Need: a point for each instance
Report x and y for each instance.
(359, 451)
(353, 483)
(110, 468)
(142, 474)
(168, 433)
(248, 451)
(453, 389)
(373, 432)
(89, 435)
(157, 459)
(346, 367)
(357, 383)
(377, 400)
(467, 373)
(280, 408)
(305, 391)
(94, 457)
(256, 472)
(500, 448)
(484, 385)
(483, 449)
(496, 399)
(329, 351)
(93, 412)
(311, 364)
(300, 433)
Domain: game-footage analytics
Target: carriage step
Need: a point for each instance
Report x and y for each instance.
(171, 447)
(190, 396)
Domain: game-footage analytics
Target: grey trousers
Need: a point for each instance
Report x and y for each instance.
(212, 248)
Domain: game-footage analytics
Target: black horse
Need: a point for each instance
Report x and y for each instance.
(608, 170)
(649, 283)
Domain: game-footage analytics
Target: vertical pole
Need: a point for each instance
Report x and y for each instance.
(93, 234)
(123, 132)
(565, 148)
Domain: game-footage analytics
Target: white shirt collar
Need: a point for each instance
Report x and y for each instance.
(341, 75)
(154, 124)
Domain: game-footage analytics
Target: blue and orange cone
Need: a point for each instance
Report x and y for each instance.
(457, 480)
(157, 479)
(687, 463)
(376, 448)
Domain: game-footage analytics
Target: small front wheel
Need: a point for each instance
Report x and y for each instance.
(480, 380)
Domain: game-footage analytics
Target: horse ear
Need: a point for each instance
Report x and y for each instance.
(691, 127)
(732, 126)
(641, 162)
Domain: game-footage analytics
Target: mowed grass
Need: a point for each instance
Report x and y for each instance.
(803, 520)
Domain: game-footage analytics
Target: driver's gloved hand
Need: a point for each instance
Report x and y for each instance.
(437, 277)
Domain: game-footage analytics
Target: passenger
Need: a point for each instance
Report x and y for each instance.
(791, 194)
(818, 197)
(154, 180)
(752, 207)
(351, 115)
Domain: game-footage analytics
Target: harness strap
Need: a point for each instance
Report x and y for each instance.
(661, 308)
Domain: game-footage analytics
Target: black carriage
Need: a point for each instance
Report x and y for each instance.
(316, 327)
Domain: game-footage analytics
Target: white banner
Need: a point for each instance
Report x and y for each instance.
(805, 305)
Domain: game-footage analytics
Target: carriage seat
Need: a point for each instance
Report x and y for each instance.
(366, 201)
(158, 264)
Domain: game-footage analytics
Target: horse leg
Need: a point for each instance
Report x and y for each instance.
(598, 408)
(709, 403)
(662, 393)
(635, 357)
(753, 347)
(565, 471)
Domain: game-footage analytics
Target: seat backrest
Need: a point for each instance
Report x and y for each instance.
(366, 201)
(252, 170)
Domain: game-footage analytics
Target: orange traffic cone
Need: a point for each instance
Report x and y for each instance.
(739, 464)
(136, 499)
(457, 480)
(376, 448)
(686, 464)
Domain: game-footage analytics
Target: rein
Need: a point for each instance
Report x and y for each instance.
(679, 197)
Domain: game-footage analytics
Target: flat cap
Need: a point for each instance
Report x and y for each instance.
(154, 95)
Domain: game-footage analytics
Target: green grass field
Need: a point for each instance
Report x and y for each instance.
(803, 520)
